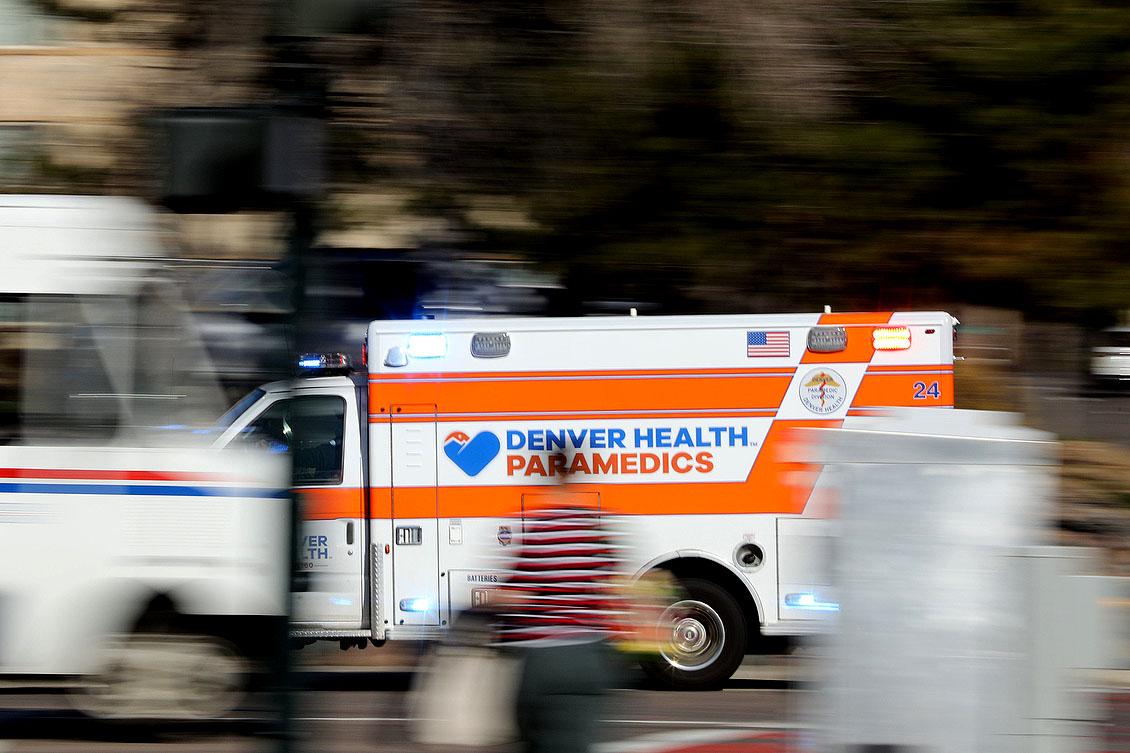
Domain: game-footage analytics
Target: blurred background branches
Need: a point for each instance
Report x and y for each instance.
(710, 156)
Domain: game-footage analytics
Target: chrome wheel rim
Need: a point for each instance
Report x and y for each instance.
(695, 635)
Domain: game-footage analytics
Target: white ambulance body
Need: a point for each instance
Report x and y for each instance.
(418, 471)
(136, 573)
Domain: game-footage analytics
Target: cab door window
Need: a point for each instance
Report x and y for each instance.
(311, 429)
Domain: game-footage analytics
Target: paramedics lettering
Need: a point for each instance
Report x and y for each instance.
(573, 451)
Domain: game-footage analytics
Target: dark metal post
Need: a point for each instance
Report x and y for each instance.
(300, 238)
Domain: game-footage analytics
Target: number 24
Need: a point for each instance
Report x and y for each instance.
(921, 391)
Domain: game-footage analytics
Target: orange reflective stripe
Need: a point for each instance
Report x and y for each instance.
(784, 483)
(413, 409)
(566, 394)
(557, 496)
(414, 501)
(458, 375)
(380, 503)
(619, 416)
(331, 503)
(921, 367)
(899, 390)
(619, 499)
(857, 317)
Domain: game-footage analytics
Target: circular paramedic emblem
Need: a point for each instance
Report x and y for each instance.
(822, 391)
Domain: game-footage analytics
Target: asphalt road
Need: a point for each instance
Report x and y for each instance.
(349, 710)
(355, 711)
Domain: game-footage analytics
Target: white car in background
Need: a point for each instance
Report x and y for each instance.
(1110, 359)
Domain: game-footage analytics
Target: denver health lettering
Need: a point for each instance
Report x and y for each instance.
(623, 452)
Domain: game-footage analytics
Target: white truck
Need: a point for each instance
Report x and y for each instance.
(414, 472)
(144, 576)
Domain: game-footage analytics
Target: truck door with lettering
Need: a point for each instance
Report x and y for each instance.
(312, 426)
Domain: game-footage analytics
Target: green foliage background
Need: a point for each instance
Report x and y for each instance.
(710, 155)
(866, 154)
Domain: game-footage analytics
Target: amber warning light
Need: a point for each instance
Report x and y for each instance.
(891, 338)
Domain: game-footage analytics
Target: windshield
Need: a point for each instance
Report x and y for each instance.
(237, 410)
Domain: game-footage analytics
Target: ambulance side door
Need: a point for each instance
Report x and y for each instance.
(415, 545)
(320, 429)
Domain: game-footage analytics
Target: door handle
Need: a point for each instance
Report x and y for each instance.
(349, 533)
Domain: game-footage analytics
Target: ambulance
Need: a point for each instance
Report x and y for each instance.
(415, 471)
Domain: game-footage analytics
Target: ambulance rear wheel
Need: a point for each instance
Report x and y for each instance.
(702, 638)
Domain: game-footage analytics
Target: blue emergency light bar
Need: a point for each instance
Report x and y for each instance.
(324, 363)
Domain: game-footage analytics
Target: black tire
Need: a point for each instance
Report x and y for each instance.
(708, 638)
(188, 677)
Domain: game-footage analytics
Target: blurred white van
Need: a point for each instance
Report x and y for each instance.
(145, 576)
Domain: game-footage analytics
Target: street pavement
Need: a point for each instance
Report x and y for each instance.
(354, 709)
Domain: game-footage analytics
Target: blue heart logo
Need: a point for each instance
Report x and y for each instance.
(471, 455)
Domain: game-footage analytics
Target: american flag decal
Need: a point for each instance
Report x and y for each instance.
(767, 344)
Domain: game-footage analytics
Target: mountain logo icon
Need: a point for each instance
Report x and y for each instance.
(471, 455)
